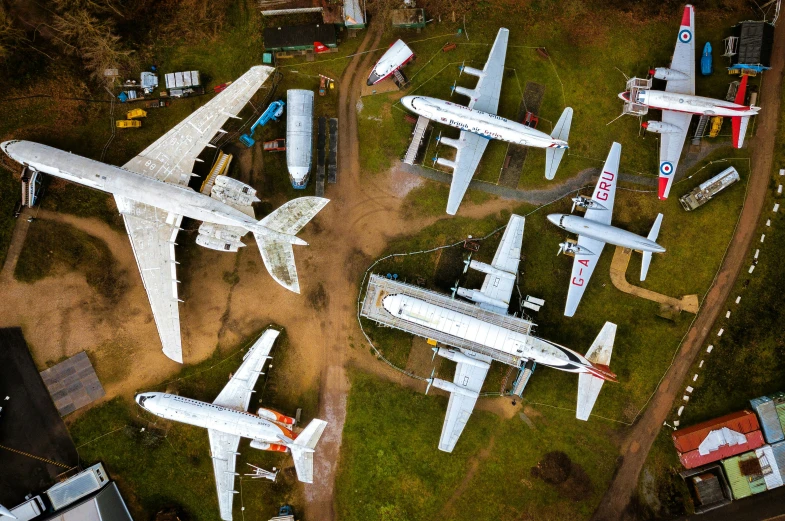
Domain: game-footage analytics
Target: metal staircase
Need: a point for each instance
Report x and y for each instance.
(219, 168)
(417, 137)
(523, 378)
(703, 122)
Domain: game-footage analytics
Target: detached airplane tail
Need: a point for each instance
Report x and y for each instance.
(655, 231)
(303, 448)
(590, 384)
(739, 123)
(555, 153)
(276, 247)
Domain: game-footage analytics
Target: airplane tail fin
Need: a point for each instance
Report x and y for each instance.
(590, 384)
(739, 123)
(655, 231)
(304, 447)
(554, 155)
(276, 248)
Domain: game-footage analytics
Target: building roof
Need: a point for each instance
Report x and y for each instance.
(690, 438)
(756, 40)
(106, 505)
(694, 458)
(295, 37)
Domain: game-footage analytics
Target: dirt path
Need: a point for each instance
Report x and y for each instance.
(636, 447)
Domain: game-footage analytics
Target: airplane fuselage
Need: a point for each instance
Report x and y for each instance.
(489, 126)
(460, 325)
(604, 232)
(689, 103)
(169, 197)
(215, 417)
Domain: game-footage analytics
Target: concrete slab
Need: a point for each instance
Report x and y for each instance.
(73, 383)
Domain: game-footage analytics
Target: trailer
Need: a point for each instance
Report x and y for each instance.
(708, 189)
(128, 123)
(276, 145)
(182, 80)
(135, 113)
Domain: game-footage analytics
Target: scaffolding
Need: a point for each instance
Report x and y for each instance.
(379, 287)
(635, 88)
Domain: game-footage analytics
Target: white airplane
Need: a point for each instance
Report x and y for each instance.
(398, 55)
(4, 512)
(493, 334)
(594, 230)
(226, 421)
(678, 103)
(479, 123)
(152, 195)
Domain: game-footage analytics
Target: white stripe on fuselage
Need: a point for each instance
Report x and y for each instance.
(489, 126)
(607, 234)
(211, 416)
(658, 99)
(172, 198)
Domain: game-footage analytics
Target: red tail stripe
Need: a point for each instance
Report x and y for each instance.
(686, 18)
(663, 187)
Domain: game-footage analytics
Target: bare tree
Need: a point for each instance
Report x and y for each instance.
(10, 35)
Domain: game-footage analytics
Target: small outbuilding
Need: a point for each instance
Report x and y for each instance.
(749, 47)
(408, 18)
(299, 37)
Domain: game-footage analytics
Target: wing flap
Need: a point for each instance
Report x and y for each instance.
(152, 233)
(684, 54)
(582, 268)
(671, 145)
(507, 258)
(605, 190)
(460, 406)
(237, 393)
(489, 86)
(223, 449)
(466, 160)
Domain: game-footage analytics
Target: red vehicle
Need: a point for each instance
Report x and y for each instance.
(221, 87)
(530, 120)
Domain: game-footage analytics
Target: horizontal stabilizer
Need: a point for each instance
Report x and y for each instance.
(303, 449)
(278, 258)
(553, 156)
(589, 386)
(292, 216)
(653, 233)
(739, 128)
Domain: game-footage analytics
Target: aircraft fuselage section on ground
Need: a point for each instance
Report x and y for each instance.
(603, 232)
(211, 416)
(496, 337)
(489, 126)
(691, 104)
(169, 197)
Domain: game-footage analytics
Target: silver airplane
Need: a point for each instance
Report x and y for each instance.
(594, 230)
(153, 196)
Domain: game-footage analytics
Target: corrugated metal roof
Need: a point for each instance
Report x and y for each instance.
(738, 483)
(77, 487)
(781, 414)
(693, 458)
(779, 456)
(769, 420)
(689, 439)
(768, 464)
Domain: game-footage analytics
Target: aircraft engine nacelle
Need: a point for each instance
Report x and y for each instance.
(481, 298)
(472, 71)
(490, 270)
(214, 243)
(275, 416)
(466, 92)
(446, 162)
(231, 190)
(665, 73)
(263, 445)
(658, 127)
(571, 247)
(225, 233)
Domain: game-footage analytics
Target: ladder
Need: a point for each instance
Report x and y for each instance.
(701, 130)
(417, 137)
(219, 168)
(523, 378)
(400, 79)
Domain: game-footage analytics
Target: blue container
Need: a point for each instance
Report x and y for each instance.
(707, 67)
(779, 456)
(769, 421)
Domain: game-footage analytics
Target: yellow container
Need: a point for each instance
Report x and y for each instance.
(128, 123)
(716, 125)
(136, 113)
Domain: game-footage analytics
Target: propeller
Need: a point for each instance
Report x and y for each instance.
(467, 262)
(435, 158)
(460, 69)
(574, 202)
(435, 351)
(563, 247)
(452, 89)
(455, 288)
(439, 138)
(430, 381)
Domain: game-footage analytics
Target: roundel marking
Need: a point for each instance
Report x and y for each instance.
(666, 168)
(685, 36)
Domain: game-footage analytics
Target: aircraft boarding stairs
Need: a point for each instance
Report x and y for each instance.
(524, 374)
(417, 138)
(219, 168)
(700, 131)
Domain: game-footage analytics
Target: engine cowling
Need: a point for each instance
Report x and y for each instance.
(263, 445)
(275, 416)
(658, 127)
(232, 191)
(665, 73)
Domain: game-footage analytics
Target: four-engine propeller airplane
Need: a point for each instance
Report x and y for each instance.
(678, 103)
(479, 123)
(594, 230)
(227, 420)
(153, 196)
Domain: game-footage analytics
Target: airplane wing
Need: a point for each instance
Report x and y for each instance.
(684, 55)
(152, 232)
(470, 149)
(671, 145)
(223, 449)
(604, 194)
(582, 268)
(488, 89)
(468, 377)
(237, 393)
(171, 157)
(507, 259)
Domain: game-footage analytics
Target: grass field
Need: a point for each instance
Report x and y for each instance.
(169, 464)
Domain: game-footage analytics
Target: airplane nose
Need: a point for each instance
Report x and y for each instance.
(4, 147)
(554, 218)
(406, 101)
(624, 96)
(373, 78)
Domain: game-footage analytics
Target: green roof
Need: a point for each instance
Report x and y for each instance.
(738, 483)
